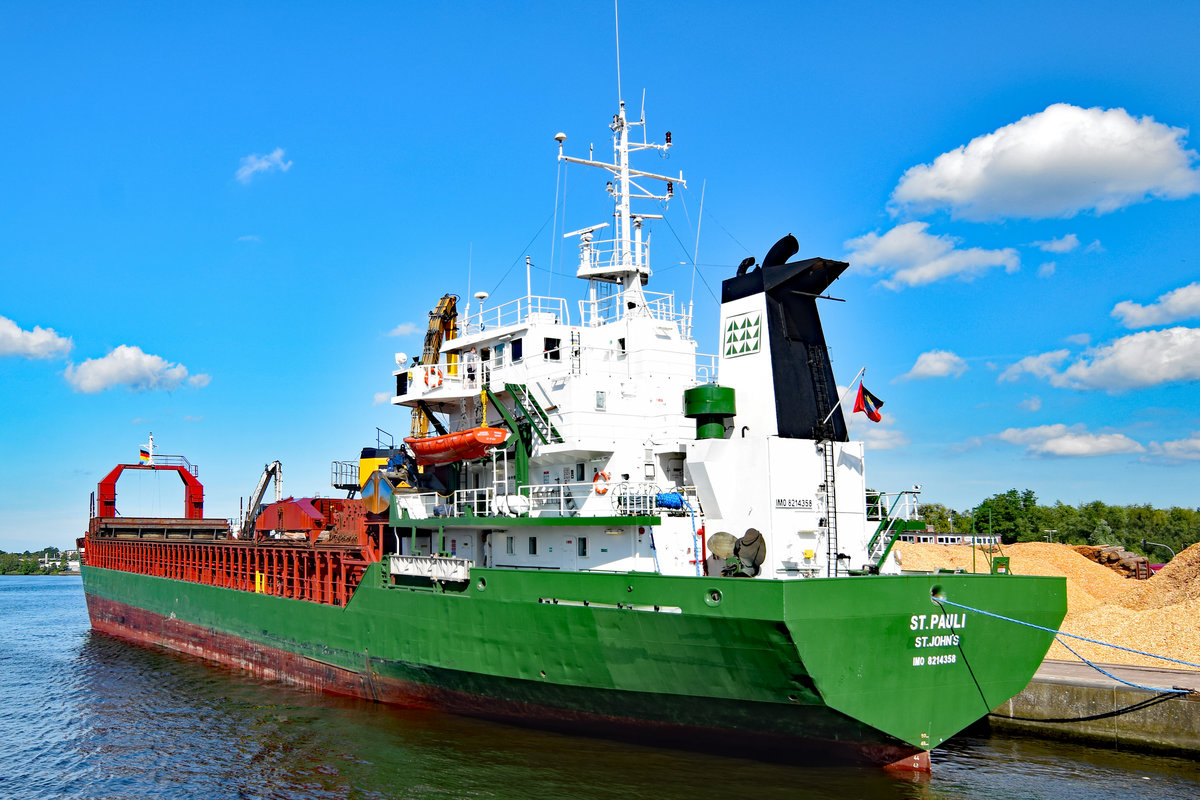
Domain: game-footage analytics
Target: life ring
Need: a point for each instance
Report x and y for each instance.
(433, 378)
(600, 482)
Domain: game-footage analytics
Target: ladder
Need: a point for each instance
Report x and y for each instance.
(818, 367)
(537, 417)
(830, 488)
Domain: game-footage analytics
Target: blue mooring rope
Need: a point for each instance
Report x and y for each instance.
(1097, 667)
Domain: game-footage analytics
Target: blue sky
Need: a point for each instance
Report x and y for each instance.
(218, 223)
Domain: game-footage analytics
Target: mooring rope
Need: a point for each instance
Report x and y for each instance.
(1097, 667)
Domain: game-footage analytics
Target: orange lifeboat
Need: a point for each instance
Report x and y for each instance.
(457, 446)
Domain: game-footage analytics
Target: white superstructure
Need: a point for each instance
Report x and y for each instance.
(604, 471)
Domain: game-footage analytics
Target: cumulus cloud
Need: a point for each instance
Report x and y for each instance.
(1032, 403)
(1081, 339)
(1179, 449)
(1055, 163)
(936, 364)
(254, 164)
(1136, 361)
(1064, 245)
(1069, 442)
(199, 381)
(1047, 269)
(1179, 304)
(381, 398)
(37, 343)
(1041, 366)
(127, 365)
(404, 329)
(916, 257)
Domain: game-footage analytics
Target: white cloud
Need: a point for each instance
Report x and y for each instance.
(1136, 361)
(1081, 339)
(128, 366)
(190, 418)
(1056, 163)
(381, 398)
(37, 343)
(1047, 269)
(404, 329)
(880, 435)
(1069, 442)
(1064, 245)
(1032, 403)
(1179, 449)
(199, 381)
(1094, 247)
(1042, 366)
(916, 257)
(936, 364)
(1178, 304)
(254, 164)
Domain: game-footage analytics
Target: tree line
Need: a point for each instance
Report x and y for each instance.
(28, 563)
(1016, 516)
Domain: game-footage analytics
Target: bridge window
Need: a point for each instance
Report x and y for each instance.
(582, 546)
(533, 545)
(553, 349)
(510, 545)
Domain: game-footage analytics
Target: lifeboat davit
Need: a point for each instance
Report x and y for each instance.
(457, 446)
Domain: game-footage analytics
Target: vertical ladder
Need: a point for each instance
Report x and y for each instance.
(575, 352)
(499, 472)
(830, 508)
(818, 367)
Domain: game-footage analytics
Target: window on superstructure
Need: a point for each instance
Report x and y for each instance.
(552, 349)
(517, 351)
(533, 545)
(510, 545)
(582, 546)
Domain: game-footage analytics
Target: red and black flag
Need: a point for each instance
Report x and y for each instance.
(868, 403)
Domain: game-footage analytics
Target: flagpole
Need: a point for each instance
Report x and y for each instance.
(844, 394)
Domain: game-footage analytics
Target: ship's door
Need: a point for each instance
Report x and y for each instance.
(462, 545)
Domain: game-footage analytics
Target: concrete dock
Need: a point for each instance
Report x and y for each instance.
(1092, 702)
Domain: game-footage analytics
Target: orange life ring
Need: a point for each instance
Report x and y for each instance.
(433, 378)
(601, 488)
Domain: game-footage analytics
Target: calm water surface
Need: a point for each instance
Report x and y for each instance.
(83, 715)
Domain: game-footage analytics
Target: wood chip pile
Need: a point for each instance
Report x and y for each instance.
(1160, 615)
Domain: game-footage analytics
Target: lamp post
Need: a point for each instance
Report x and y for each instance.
(1049, 534)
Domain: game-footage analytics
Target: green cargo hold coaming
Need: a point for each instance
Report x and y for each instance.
(770, 656)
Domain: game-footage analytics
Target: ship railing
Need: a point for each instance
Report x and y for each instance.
(706, 368)
(611, 308)
(634, 499)
(558, 499)
(463, 502)
(529, 309)
(893, 505)
(176, 461)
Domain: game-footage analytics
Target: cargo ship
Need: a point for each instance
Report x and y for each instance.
(595, 527)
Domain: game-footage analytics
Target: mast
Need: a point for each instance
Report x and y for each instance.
(627, 265)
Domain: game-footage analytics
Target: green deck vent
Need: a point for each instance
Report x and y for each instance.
(709, 405)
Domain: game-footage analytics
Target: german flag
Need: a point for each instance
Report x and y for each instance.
(868, 404)
(144, 455)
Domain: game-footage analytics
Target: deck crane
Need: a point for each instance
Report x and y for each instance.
(443, 325)
(272, 470)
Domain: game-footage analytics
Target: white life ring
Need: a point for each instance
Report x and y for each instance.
(600, 482)
(433, 378)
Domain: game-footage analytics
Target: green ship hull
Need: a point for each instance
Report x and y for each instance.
(870, 667)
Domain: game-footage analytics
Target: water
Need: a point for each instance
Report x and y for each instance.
(83, 715)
